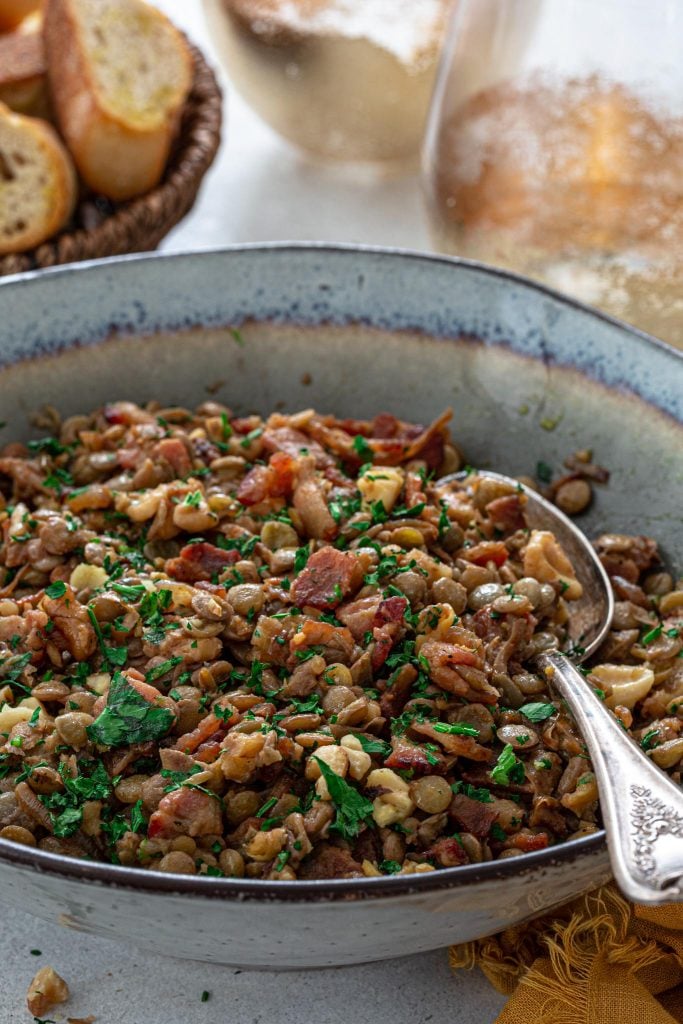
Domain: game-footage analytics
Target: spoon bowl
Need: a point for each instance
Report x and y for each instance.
(642, 808)
(592, 613)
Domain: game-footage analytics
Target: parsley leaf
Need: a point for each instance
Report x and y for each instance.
(56, 589)
(507, 768)
(374, 746)
(456, 729)
(362, 448)
(538, 712)
(128, 718)
(353, 809)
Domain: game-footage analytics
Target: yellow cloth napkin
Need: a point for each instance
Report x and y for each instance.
(597, 960)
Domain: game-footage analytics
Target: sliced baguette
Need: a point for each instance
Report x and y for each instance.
(23, 80)
(14, 11)
(37, 182)
(119, 75)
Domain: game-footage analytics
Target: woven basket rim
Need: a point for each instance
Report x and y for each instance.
(139, 224)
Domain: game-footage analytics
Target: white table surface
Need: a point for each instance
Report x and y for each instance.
(258, 190)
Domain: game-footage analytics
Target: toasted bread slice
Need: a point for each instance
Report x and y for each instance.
(14, 11)
(37, 182)
(23, 80)
(119, 74)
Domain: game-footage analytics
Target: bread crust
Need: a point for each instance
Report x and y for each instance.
(62, 182)
(12, 12)
(23, 80)
(114, 156)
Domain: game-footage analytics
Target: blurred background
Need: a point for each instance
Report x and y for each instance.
(262, 189)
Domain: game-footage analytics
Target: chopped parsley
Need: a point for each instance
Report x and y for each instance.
(456, 729)
(374, 746)
(650, 740)
(56, 589)
(479, 793)
(362, 448)
(353, 809)
(538, 712)
(653, 635)
(507, 768)
(128, 718)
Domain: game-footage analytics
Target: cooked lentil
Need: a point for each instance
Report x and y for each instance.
(281, 649)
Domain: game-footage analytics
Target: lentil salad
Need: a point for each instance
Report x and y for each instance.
(281, 648)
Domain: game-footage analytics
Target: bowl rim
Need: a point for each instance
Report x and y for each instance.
(644, 339)
(319, 890)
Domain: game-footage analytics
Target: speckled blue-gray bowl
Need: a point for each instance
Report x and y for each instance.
(353, 332)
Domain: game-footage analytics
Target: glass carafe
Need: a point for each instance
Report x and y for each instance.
(555, 148)
(348, 81)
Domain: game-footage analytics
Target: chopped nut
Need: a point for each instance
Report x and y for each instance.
(45, 991)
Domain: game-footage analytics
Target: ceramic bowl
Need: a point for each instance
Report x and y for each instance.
(530, 375)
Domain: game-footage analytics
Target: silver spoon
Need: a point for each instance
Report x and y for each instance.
(642, 808)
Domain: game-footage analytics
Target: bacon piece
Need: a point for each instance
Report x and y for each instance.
(272, 636)
(186, 812)
(387, 628)
(72, 622)
(295, 444)
(448, 853)
(128, 458)
(329, 861)
(488, 551)
(175, 453)
(472, 815)
(200, 562)
(391, 610)
(459, 670)
(272, 481)
(452, 743)
(408, 756)
(329, 576)
(359, 615)
(528, 843)
(209, 728)
(395, 697)
(337, 640)
(507, 513)
(485, 626)
(428, 445)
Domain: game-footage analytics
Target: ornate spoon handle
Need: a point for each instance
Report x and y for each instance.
(642, 808)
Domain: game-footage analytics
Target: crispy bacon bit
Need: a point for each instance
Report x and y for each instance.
(394, 698)
(328, 578)
(272, 481)
(488, 551)
(186, 812)
(359, 615)
(507, 513)
(336, 640)
(472, 815)
(210, 728)
(408, 756)
(328, 861)
(72, 622)
(387, 628)
(200, 562)
(175, 453)
(458, 670)
(295, 444)
(448, 853)
(528, 842)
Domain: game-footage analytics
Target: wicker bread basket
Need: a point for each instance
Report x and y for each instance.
(102, 228)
